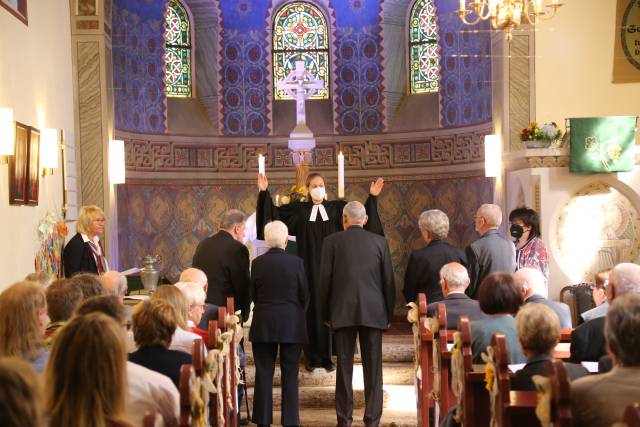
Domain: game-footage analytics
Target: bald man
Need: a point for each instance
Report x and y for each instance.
(115, 283)
(490, 253)
(195, 275)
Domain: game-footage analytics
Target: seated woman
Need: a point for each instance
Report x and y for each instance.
(20, 394)
(539, 330)
(195, 296)
(280, 294)
(182, 339)
(23, 321)
(154, 323)
(86, 377)
(500, 300)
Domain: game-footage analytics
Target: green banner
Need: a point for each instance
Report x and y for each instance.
(602, 144)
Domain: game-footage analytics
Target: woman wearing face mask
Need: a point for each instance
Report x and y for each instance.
(530, 250)
(311, 222)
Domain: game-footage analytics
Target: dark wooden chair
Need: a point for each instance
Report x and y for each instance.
(579, 298)
(153, 419)
(632, 415)
(424, 384)
(560, 411)
(475, 402)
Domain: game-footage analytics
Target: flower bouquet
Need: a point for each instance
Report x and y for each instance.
(294, 193)
(534, 136)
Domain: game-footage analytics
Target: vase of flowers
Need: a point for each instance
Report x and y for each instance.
(535, 136)
(295, 193)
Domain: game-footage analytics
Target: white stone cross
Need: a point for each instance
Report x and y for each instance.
(300, 85)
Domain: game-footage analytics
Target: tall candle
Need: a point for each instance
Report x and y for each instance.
(462, 6)
(341, 175)
(260, 164)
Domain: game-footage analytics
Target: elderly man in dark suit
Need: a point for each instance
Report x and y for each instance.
(423, 269)
(533, 288)
(358, 296)
(280, 293)
(454, 280)
(490, 253)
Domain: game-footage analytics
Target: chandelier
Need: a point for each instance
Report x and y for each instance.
(506, 15)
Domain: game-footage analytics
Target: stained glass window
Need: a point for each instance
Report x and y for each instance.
(424, 52)
(177, 54)
(300, 33)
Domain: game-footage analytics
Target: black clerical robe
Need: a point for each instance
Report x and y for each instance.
(309, 238)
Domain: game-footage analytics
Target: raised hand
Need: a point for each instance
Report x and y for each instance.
(263, 183)
(376, 187)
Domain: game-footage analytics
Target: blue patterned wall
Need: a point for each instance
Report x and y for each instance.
(138, 65)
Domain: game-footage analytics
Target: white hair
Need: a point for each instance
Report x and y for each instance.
(275, 234)
(455, 275)
(492, 214)
(625, 278)
(435, 222)
(115, 283)
(531, 279)
(194, 275)
(355, 211)
(193, 292)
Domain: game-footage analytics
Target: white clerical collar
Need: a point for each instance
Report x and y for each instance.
(314, 213)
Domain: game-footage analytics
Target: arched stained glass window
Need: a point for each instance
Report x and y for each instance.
(424, 52)
(300, 33)
(177, 54)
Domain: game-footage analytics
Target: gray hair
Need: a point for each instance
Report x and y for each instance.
(114, 282)
(538, 328)
(192, 291)
(43, 278)
(533, 279)
(231, 218)
(491, 213)
(194, 275)
(455, 275)
(355, 211)
(621, 329)
(85, 216)
(625, 278)
(435, 222)
(276, 234)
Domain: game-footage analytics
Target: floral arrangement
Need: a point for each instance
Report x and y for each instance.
(294, 193)
(51, 234)
(549, 132)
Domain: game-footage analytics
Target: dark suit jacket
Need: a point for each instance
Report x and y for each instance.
(225, 261)
(356, 279)
(587, 341)
(490, 253)
(457, 305)
(521, 380)
(78, 258)
(162, 360)
(423, 270)
(562, 310)
(280, 293)
(210, 313)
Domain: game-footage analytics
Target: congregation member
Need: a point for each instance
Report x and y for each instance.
(89, 284)
(423, 269)
(280, 295)
(154, 323)
(490, 253)
(530, 249)
(62, 299)
(23, 320)
(44, 278)
(114, 283)
(357, 302)
(599, 296)
(600, 400)
(194, 296)
(588, 340)
(225, 262)
(311, 221)
(195, 275)
(533, 288)
(20, 394)
(182, 339)
(454, 280)
(500, 300)
(86, 377)
(84, 253)
(539, 331)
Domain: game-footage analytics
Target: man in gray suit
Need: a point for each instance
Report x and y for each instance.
(533, 288)
(357, 299)
(490, 253)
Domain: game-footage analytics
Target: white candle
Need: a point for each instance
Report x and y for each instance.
(341, 175)
(462, 6)
(260, 164)
(278, 200)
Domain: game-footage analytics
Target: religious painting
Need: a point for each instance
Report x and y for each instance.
(177, 54)
(33, 168)
(17, 8)
(626, 54)
(18, 166)
(423, 48)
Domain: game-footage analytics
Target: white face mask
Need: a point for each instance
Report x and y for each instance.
(318, 194)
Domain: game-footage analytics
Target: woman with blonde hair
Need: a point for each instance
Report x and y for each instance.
(23, 321)
(86, 378)
(182, 339)
(20, 394)
(84, 252)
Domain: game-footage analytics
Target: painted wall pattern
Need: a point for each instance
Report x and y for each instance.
(138, 66)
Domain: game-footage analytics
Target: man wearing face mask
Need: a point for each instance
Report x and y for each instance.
(530, 250)
(311, 222)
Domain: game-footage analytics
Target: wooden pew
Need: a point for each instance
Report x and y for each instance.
(153, 419)
(443, 366)
(632, 415)
(187, 374)
(560, 411)
(511, 408)
(424, 385)
(232, 360)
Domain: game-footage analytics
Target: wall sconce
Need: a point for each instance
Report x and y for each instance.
(7, 134)
(492, 156)
(116, 162)
(49, 151)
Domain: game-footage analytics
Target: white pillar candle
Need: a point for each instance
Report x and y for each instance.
(462, 6)
(341, 175)
(260, 164)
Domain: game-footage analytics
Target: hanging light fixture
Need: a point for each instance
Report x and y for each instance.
(506, 15)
